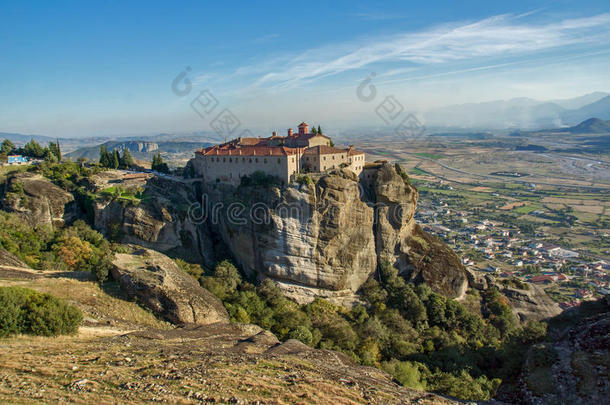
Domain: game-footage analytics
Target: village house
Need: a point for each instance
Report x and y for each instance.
(279, 156)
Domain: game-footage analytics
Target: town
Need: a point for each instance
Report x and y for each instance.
(491, 243)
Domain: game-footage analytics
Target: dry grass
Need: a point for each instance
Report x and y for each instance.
(104, 306)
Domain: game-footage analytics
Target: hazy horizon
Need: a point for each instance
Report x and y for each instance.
(107, 70)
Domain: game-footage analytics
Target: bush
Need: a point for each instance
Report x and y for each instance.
(260, 179)
(304, 179)
(26, 311)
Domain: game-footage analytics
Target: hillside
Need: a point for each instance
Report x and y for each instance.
(122, 353)
(141, 150)
(591, 126)
(341, 290)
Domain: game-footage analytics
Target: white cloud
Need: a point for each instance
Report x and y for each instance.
(498, 36)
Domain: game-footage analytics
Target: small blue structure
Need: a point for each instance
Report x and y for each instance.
(17, 159)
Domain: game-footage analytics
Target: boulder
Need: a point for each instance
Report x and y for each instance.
(531, 303)
(159, 284)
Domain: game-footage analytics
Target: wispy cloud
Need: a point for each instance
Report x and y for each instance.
(498, 36)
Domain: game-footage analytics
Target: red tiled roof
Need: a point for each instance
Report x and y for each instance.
(250, 151)
(303, 124)
(323, 150)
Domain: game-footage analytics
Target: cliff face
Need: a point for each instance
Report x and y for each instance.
(316, 239)
(38, 201)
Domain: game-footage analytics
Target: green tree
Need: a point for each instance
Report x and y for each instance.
(7, 147)
(33, 149)
(158, 164)
(126, 160)
(116, 159)
(55, 150)
(319, 130)
(314, 130)
(105, 157)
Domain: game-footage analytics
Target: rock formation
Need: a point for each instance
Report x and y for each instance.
(159, 284)
(531, 303)
(38, 201)
(320, 238)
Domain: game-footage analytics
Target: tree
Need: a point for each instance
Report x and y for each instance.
(105, 156)
(314, 130)
(33, 149)
(116, 159)
(49, 156)
(319, 130)
(126, 160)
(7, 147)
(158, 164)
(54, 149)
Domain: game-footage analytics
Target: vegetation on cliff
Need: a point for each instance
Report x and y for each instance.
(423, 339)
(76, 247)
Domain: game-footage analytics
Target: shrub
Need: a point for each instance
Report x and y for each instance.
(26, 311)
(304, 179)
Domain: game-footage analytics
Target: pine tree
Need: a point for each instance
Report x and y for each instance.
(158, 164)
(126, 159)
(314, 130)
(104, 158)
(7, 147)
(115, 159)
(319, 130)
(33, 149)
(54, 149)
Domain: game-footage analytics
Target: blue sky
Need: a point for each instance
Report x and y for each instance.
(106, 68)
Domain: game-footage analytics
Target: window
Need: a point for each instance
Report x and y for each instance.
(224, 159)
(279, 160)
(324, 158)
(230, 160)
(250, 160)
(256, 160)
(243, 160)
(265, 160)
(307, 159)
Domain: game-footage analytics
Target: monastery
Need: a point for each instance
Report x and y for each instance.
(280, 156)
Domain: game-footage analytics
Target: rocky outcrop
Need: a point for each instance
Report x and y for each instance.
(530, 303)
(159, 284)
(527, 301)
(317, 236)
(10, 260)
(160, 221)
(571, 366)
(320, 238)
(38, 201)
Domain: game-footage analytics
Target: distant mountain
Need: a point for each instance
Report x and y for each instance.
(600, 109)
(523, 113)
(578, 102)
(72, 144)
(590, 126)
(141, 149)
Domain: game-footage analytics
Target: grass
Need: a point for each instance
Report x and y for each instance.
(104, 304)
(125, 194)
(429, 155)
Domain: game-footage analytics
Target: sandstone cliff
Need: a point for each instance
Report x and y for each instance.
(38, 201)
(320, 238)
